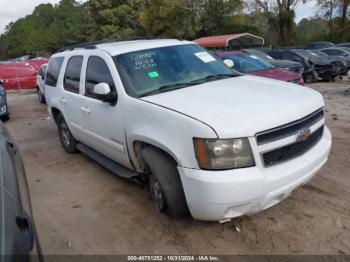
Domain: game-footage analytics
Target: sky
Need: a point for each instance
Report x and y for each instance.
(11, 10)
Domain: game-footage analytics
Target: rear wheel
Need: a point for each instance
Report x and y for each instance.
(40, 96)
(164, 183)
(67, 140)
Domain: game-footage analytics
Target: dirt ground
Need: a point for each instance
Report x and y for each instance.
(80, 208)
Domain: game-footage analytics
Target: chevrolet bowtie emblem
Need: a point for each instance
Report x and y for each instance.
(303, 135)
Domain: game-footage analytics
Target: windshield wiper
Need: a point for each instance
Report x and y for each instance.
(212, 78)
(191, 83)
(166, 87)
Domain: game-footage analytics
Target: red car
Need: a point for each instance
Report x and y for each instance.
(20, 73)
(252, 65)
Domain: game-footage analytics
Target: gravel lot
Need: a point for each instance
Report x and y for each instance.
(80, 208)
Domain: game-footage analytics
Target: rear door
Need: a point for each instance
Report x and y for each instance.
(102, 123)
(26, 75)
(71, 97)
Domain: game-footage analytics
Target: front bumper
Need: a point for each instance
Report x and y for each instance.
(221, 195)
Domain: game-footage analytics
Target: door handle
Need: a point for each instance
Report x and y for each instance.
(85, 109)
(11, 146)
(24, 224)
(63, 100)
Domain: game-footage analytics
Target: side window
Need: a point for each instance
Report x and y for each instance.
(97, 72)
(276, 55)
(292, 57)
(53, 71)
(42, 71)
(72, 75)
(338, 52)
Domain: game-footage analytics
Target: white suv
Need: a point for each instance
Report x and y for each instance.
(206, 139)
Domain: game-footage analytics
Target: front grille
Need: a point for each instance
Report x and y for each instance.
(289, 129)
(288, 152)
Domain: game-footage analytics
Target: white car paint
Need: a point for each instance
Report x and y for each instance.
(230, 108)
(40, 78)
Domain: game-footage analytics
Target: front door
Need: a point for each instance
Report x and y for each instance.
(103, 123)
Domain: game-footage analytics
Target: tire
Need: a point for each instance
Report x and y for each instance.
(67, 140)
(164, 183)
(5, 117)
(309, 78)
(40, 96)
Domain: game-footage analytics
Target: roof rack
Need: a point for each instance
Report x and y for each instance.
(92, 45)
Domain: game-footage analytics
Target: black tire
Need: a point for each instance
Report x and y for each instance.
(5, 117)
(309, 78)
(67, 140)
(40, 96)
(163, 174)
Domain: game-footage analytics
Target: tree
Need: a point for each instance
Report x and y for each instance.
(280, 14)
(170, 18)
(335, 12)
(220, 16)
(116, 18)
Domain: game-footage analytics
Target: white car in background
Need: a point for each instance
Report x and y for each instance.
(40, 82)
(206, 139)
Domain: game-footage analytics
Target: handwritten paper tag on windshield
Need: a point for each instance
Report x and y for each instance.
(205, 57)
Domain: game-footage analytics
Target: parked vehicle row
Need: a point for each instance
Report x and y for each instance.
(250, 64)
(206, 139)
(20, 73)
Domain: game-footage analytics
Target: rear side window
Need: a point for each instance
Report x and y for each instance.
(53, 71)
(42, 71)
(97, 72)
(72, 75)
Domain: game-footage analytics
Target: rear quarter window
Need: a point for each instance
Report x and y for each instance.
(53, 71)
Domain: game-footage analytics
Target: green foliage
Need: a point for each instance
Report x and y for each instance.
(116, 19)
(50, 27)
(170, 18)
(311, 30)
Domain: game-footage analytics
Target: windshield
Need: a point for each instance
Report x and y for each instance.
(158, 70)
(249, 63)
(259, 54)
(303, 52)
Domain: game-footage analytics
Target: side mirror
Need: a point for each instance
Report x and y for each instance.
(103, 91)
(229, 63)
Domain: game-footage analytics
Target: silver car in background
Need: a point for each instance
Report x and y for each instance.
(40, 82)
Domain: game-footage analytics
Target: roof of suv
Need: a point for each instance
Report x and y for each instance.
(120, 47)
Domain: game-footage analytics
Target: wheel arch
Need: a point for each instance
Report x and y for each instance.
(55, 112)
(138, 145)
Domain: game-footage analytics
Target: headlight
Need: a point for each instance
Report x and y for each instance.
(220, 154)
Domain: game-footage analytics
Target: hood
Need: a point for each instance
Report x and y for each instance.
(278, 74)
(284, 63)
(342, 59)
(242, 106)
(319, 61)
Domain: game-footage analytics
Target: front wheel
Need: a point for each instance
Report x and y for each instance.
(164, 183)
(67, 140)
(309, 78)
